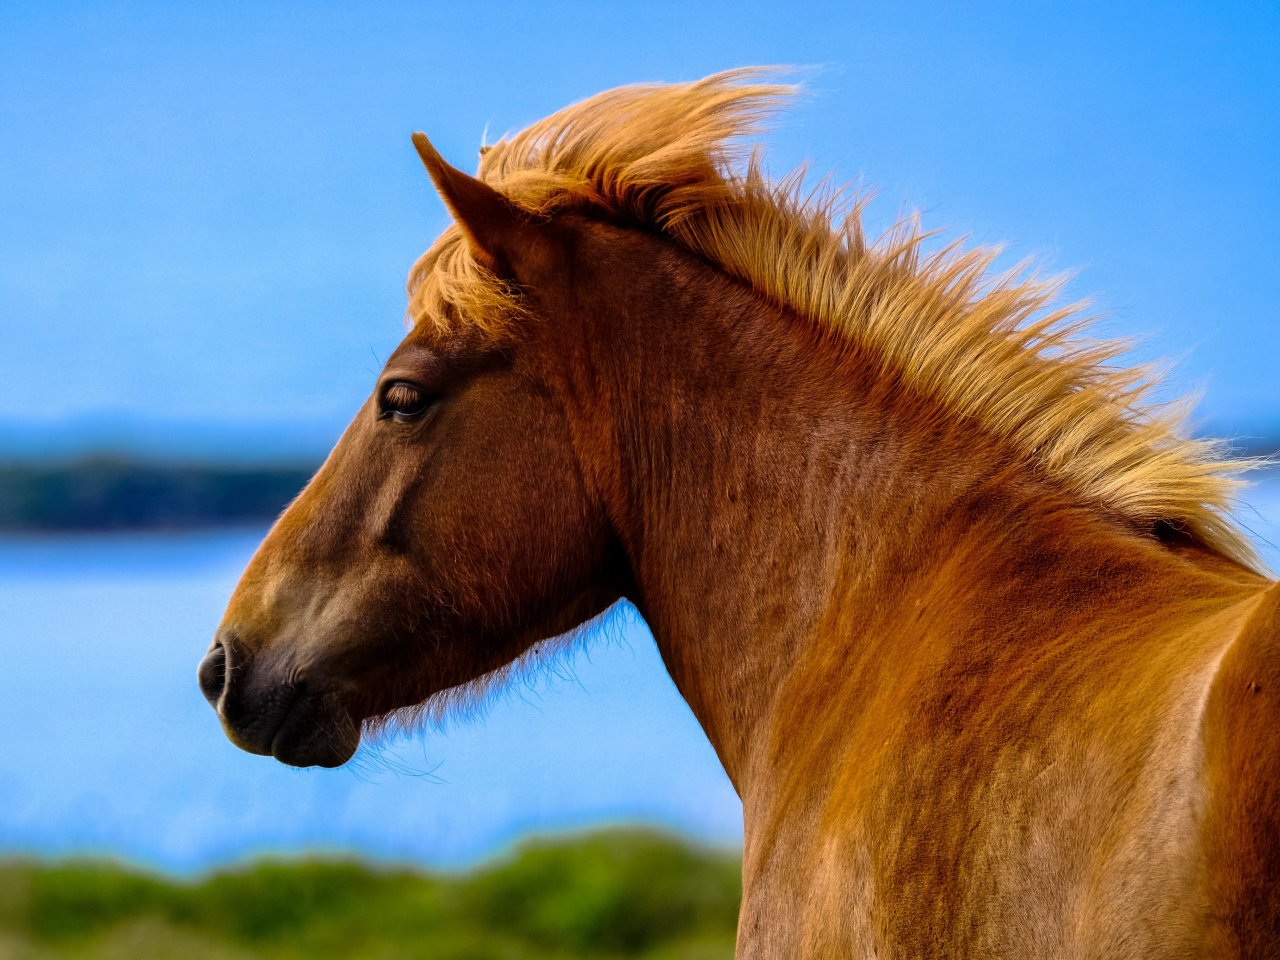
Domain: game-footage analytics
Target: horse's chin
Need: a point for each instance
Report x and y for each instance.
(315, 747)
(314, 732)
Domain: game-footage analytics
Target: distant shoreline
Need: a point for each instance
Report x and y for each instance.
(104, 494)
(100, 493)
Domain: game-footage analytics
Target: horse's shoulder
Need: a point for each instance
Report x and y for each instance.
(1241, 823)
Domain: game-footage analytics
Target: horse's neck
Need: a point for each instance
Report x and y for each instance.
(759, 480)
(784, 511)
(794, 525)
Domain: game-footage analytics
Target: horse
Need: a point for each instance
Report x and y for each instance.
(963, 612)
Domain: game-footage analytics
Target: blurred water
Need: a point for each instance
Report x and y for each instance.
(109, 748)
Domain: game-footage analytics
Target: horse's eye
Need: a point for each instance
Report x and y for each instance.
(403, 401)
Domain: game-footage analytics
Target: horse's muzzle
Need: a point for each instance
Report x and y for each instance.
(272, 713)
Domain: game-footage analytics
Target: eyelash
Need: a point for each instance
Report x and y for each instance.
(424, 402)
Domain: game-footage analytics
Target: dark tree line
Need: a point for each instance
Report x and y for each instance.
(107, 493)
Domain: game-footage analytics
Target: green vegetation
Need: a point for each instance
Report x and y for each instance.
(106, 493)
(606, 895)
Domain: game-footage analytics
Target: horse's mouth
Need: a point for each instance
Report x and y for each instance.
(315, 732)
(297, 724)
(308, 731)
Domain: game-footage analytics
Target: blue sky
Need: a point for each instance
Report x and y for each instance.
(209, 210)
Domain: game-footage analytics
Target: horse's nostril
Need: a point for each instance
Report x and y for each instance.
(213, 673)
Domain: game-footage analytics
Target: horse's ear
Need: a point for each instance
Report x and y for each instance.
(492, 224)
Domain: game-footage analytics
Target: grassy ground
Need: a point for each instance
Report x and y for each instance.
(607, 895)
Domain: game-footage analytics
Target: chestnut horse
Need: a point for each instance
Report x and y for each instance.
(965, 618)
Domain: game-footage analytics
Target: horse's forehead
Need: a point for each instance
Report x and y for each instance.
(455, 344)
(444, 341)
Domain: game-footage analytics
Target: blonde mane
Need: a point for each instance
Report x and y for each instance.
(999, 351)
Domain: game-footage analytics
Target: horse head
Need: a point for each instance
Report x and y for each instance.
(448, 533)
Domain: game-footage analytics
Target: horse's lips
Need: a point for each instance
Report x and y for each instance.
(299, 723)
(297, 742)
(273, 749)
